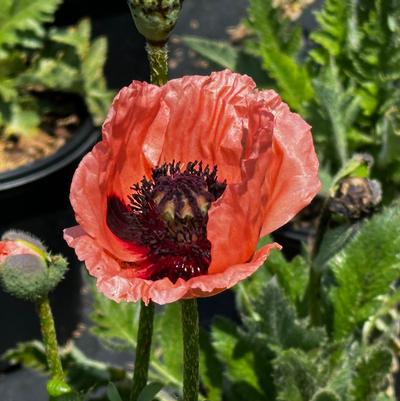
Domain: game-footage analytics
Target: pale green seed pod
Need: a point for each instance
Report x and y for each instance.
(155, 19)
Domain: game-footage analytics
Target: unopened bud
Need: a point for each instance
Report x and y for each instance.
(155, 19)
(356, 198)
(27, 270)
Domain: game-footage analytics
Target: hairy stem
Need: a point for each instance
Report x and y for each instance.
(142, 359)
(190, 326)
(158, 60)
(314, 283)
(49, 338)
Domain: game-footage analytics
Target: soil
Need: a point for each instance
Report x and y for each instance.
(19, 150)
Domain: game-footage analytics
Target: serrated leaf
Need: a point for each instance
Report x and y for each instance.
(238, 360)
(210, 368)
(365, 269)
(115, 324)
(295, 376)
(371, 373)
(332, 31)
(113, 393)
(150, 391)
(24, 16)
(340, 107)
(279, 44)
(277, 324)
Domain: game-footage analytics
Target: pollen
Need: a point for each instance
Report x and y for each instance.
(167, 215)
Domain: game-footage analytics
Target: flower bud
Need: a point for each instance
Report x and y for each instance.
(27, 270)
(155, 19)
(356, 198)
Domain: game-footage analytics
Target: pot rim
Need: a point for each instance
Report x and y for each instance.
(83, 138)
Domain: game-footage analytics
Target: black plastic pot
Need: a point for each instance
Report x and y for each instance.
(34, 198)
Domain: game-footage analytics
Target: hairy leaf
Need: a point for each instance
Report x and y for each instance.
(211, 368)
(365, 269)
(115, 324)
(277, 324)
(238, 359)
(371, 373)
(295, 375)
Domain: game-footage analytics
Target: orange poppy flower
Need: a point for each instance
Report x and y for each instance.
(188, 176)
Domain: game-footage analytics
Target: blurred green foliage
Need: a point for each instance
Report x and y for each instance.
(343, 78)
(35, 60)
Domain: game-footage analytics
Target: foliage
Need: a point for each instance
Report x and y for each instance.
(36, 63)
(346, 84)
(274, 353)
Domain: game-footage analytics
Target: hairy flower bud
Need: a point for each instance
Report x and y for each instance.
(155, 19)
(27, 270)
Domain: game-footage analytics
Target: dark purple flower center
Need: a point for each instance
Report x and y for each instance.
(168, 216)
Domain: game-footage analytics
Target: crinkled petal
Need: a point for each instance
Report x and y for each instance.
(117, 284)
(292, 177)
(206, 120)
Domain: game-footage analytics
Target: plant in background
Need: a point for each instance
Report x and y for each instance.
(322, 327)
(343, 79)
(41, 69)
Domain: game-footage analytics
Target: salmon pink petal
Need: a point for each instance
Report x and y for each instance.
(119, 286)
(292, 178)
(206, 120)
(239, 214)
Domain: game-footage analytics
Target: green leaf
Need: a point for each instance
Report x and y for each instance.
(295, 376)
(210, 368)
(82, 372)
(89, 59)
(358, 166)
(30, 354)
(169, 334)
(225, 55)
(150, 391)
(339, 106)
(292, 276)
(364, 270)
(113, 393)
(334, 241)
(277, 324)
(22, 121)
(115, 324)
(238, 359)
(278, 47)
(22, 17)
(325, 395)
(219, 52)
(333, 29)
(371, 373)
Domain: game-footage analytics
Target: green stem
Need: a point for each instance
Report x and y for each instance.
(314, 283)
(49, 338)
(142, 359)
(190, 326)
(158, 60)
